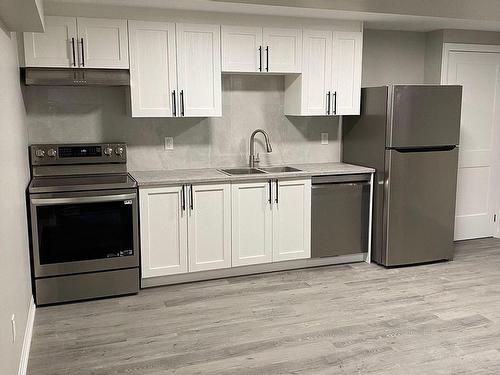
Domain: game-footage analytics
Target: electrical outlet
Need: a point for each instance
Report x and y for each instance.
(169, 143)
(324, 138)
(13, 323)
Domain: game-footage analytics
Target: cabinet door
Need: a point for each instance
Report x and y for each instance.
(316, 72)
(347, 55)
(282, 50)
(54, 47)
(251, 223)
(103, 43)
(163, 231)
(241, 49)
(209, 227)
(199, 70)
(292, 220)
(153, 75)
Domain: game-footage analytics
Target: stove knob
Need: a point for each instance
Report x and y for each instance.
(40, 153)
(52, 153)
(119, 151)
(108, 151)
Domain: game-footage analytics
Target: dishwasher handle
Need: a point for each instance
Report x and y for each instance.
(339, 179)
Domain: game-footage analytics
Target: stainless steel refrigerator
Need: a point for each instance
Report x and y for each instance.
(410, 135)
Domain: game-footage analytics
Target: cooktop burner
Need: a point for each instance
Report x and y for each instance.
(81, 183)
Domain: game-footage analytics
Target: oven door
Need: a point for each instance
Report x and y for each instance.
(84, 231)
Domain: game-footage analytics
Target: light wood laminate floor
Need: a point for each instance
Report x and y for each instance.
(441, 318)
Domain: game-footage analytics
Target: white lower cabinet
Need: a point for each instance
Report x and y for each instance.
(271, 221)
(163, 224)
(252, 223)
(185, 228)
(292, 220)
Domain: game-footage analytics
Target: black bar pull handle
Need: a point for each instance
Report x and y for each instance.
(328, 100)
(182, 102)
(174, 104)
(267, 58)
(191, 200)
(83, 53)
(277, 191)
(183, 198)
(260, 58)
(270, 191)
(73, 50)
(335, 102)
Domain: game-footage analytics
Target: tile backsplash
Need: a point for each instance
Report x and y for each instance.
(99, 114)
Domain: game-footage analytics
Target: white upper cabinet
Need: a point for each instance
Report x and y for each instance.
(153, 74)
(252, 223)
(56, 47)
(282, 50)
(70, 42)
(163, 231)
(199, 70)
(209, 227)
(254, 49)
(347, 55)
(103, 43)
(241, 49)
(330, 83)
(291, 219)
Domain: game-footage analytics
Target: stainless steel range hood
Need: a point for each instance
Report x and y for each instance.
(75, 77)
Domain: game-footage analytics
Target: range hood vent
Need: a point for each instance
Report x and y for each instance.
(75, 77)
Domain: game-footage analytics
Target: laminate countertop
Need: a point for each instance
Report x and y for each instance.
(181, 176)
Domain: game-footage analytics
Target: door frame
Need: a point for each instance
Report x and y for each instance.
(479, 48)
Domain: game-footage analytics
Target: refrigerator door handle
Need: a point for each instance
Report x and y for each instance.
(423, 149)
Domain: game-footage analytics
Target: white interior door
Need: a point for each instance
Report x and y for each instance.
(56, 47)
(163, 231)
(282, 50)
(199, 70)
(209, 227)
(347, 56)
(251, 223)
(103, 43)
(316, 72)
(153, 75)
(478, 73)
(241, 49)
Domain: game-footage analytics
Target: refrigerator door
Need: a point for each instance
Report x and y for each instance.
(419, 208)
(424, 116)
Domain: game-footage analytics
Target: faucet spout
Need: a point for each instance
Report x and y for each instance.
(253, 159)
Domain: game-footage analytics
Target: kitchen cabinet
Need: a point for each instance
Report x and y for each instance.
(185, 228)
(175, 70)
(252, 223)
(330, 83)
(153, 68)
(70, 42)
(271, 221)
(163, 228)
(209, 227)
(291, 219)
(255, 49)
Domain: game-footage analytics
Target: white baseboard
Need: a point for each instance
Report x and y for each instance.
(28, 333)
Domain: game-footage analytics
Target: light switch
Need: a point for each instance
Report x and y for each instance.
(169, 143)
(324, 138)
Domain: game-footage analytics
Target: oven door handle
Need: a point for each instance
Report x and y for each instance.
(72, 200)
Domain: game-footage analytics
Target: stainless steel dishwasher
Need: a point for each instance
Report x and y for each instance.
(340, 215)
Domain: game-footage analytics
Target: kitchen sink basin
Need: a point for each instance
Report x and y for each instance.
(239, 171)
(280, 169)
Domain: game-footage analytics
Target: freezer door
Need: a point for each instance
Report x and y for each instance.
(419, 208)
(424, 116)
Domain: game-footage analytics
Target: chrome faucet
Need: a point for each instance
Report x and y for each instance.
(254, 159)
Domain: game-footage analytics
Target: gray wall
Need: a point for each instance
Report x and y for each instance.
(393, 57)
(15, 285)
(76, 114)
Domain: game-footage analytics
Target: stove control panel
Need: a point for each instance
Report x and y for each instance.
(95, 153)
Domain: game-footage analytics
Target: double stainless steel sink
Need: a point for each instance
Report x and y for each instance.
(250, 171)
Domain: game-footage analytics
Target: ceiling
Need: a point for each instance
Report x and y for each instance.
(414, 15)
